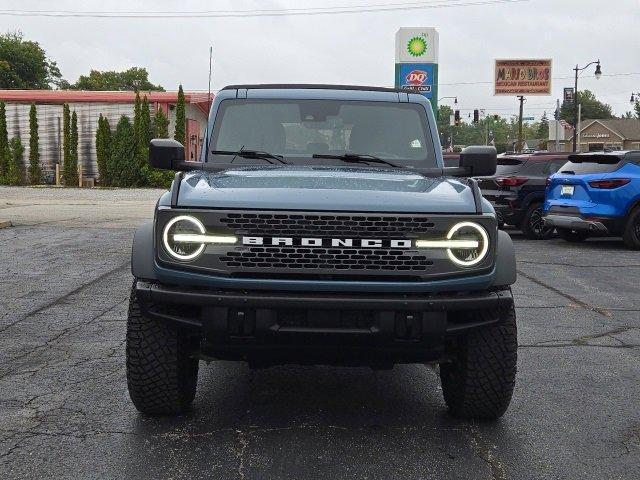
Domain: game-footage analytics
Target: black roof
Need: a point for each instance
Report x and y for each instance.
(313, 86)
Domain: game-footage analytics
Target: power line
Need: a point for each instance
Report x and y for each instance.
(389, 7)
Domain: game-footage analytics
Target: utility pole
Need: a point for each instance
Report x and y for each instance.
(576, 132)
(519, 147)
(557, 117)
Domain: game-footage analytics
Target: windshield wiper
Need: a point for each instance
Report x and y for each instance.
(356, 158)
(251, 154)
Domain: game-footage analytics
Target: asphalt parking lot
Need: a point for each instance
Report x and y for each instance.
(65, 411)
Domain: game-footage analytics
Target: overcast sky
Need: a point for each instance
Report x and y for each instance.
(355, 48)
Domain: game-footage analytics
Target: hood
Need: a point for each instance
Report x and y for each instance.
(325, 189)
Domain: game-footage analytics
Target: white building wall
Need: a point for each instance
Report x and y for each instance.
(50, 130)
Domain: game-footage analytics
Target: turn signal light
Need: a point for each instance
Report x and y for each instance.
(510, 181)
(610, 183)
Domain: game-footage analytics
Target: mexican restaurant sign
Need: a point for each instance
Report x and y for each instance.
(523, 77)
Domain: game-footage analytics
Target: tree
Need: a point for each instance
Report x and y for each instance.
(73, 168)
(14, 170)
(637, 108)
(133, 79)
(592, 108)
(444, 129)
(4, 144)
(66, 138)
(103, 144)
(181, 125)
(69, 147)
(160, 125)
(146, 130)
(24, 64)
(123, 153)
(543, 127)
(35, 171)
(142, 132)
(154, 177)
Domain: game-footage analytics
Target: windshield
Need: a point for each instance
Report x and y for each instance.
(298, 129)
(508, 165)
(585, 168)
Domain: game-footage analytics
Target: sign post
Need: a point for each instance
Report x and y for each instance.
(417, 62)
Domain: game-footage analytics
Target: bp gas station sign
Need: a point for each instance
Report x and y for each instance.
(417, 62)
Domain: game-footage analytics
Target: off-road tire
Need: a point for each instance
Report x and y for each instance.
(532, 224)
(573, 236)
(631, 235)
(162, 371)
(478, 383)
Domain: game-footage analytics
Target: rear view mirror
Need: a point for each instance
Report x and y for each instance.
(479, 161)
(168, 154)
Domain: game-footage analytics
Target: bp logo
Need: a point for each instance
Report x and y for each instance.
(417, 46)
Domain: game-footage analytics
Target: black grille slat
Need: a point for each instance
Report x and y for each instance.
(326, 225)
(302, 258)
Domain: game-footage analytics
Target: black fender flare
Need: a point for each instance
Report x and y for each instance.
(505, 261)
(142, 255)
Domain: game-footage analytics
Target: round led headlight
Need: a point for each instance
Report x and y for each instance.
(473, 241)
(178, 234)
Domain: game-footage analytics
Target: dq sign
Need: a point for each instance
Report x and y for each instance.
(417, 77)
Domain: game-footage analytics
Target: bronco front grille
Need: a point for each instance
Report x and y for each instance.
(358, 226)
(299, 258)
(348, 257)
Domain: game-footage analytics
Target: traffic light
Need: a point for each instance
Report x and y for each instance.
(457, 117)
(476, 116)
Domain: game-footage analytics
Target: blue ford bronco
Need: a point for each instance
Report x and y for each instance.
(320, 226)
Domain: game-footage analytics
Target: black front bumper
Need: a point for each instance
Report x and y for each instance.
(338, 328)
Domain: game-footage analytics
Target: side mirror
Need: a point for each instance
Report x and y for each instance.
(479, 161)
(167, 154)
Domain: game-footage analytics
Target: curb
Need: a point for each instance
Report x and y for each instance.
(5, 223)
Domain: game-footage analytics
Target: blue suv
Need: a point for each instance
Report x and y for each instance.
(596, 194)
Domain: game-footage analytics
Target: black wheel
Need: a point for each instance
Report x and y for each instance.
(573, 236)
(162, 370)
(631, 233)
(533, 225)
(479, 382)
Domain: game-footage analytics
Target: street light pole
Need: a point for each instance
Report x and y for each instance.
(597, 74)
(520, 145)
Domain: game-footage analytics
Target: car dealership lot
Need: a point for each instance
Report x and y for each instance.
(65, 412)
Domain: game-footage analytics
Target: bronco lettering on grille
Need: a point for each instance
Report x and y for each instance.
(327, 242)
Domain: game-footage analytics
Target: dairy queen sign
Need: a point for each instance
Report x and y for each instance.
(417, 80)
(418, 77)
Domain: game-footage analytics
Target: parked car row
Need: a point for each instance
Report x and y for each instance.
(575, 195)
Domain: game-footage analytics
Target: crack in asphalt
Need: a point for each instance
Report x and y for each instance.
(577, 301)
(566, 264)
(486, 452)
(70, 329)
(60, 299)
(243, 442)
(583, 341)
